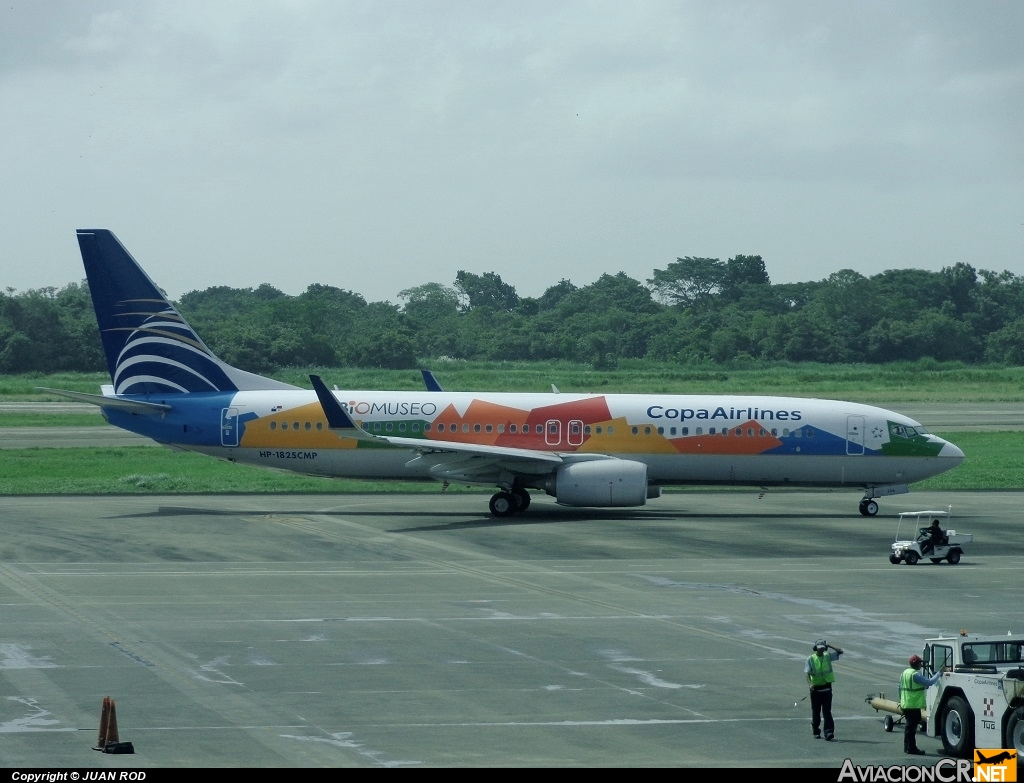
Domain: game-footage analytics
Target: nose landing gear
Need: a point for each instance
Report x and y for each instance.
(868, 507)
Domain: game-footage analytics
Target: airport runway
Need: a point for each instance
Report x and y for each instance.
(416, 631)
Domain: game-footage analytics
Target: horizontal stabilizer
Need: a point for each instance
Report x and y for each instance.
(120, 403)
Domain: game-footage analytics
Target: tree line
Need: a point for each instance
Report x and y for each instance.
(695, 310)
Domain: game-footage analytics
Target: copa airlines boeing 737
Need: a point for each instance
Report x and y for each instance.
(597, 450)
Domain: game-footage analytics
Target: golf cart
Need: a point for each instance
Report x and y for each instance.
(948, 546)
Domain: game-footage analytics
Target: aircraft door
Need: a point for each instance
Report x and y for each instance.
(229, 427)
(553, 432)
(575, 433)
(854, 435)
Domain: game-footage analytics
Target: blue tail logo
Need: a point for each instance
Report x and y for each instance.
(150, 348)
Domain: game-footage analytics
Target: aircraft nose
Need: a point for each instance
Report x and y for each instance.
(949, 450)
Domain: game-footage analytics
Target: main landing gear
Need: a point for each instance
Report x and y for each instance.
(507, 503)
(868, 507)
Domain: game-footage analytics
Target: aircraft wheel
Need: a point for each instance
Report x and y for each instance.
(1015, 731)
(888, 723)
(958, 728)
(870, 508)
(862, 508)
(911, 558)
(502, 504)
(954, 556)
(521, 498)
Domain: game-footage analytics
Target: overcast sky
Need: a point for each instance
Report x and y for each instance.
(380, 145)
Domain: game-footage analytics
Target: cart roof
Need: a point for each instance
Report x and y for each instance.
(924, 513)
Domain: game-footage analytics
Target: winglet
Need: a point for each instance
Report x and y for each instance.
(337, 417)
(430, 381)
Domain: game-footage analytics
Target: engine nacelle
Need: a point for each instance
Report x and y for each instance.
(600, 483)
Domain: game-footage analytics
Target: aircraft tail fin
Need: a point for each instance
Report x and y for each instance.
(150, 348)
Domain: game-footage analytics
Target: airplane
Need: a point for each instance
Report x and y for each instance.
(585, 450)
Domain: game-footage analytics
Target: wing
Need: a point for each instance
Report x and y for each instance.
(445, 459)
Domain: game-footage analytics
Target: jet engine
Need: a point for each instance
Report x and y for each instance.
(603, 483)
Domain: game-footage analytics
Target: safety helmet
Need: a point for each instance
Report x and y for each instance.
(915, 661)
(820, 645)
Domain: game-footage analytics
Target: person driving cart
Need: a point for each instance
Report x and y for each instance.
(936, 537)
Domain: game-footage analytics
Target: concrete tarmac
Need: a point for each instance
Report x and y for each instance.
(415, 630)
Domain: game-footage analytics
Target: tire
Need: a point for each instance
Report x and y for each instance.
(870, 508)
(935, 559)
(958, 728)
(911, 557)
(888, 723)
(502, 504)
(894, 560)
(954, 556)
(521, 498)
(1015, 731)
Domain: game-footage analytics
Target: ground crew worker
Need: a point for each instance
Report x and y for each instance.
(913, 687)
(819, 679)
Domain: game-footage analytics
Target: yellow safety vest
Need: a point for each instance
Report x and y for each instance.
(912, 694)
(821, 670)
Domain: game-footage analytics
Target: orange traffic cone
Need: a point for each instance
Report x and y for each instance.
(108, 724)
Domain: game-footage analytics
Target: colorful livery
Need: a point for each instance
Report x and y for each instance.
(583, 449)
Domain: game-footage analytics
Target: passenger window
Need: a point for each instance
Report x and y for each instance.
(647, 430)
(308, 426)
(465, 428)
(489, 428)
(635, 430)
(273, 425)
(700, 431)
(661, 430)
(476, 428)
(711, 430)
(686, 430)
(389, 426)
(295, 425)
(319, 425)
(611, 430)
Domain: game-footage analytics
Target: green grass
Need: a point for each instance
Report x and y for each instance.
(924, 381)
(995, 460)
(140, 470)
(51, 419)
